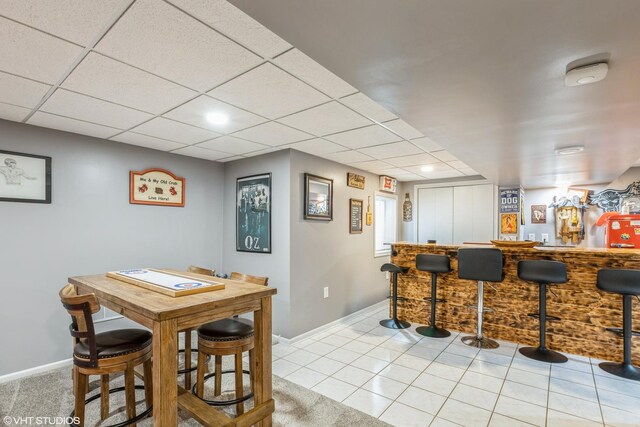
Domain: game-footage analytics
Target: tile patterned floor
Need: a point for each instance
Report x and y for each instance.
(408, 380)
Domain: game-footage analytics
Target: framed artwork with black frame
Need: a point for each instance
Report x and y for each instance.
(253, 214)
(25, 177)
(318, 198)
(355, 216)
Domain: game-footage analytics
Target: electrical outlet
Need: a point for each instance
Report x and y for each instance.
(532, 236)
(326, 292)
(545, 237)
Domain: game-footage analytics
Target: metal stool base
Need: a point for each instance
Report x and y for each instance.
(623, 370)
(193, 367)
(394, 324)
(474, 341)
(123, 423)
(222, 402)
(543, 355)
(433, 331)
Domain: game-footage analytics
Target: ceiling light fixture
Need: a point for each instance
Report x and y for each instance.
(574, 149)
(217, 118)
(427, 168)
(587, 74)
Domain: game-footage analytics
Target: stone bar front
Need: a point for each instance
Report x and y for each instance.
(585, 311)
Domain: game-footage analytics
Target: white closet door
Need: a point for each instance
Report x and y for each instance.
(444, 215)
(426, 214)
(483, 216)
(463, 212)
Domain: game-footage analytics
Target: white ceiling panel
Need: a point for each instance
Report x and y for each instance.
(305, 68)
(71, 104)
(13, 112)
(236, 24)
(388, 171)
(371, 165)
(201, 153)
(273, 133)
(416, 159)
(403, 129)
(70, 125)
(159, 38)
(443, 155)
(261, 152)
(326, 119)
(404, 177)
(147, 141)
(20, 91)
(30, 53)
(395, 149)
(231, 145)
(426, 144)
(458, 164)
(368, 107)
(347, 157)
(269, 91)
(364, 137)
(174, 131)
(74, 20)
(231, 159)
(195, 113)
(317, 147)
(468, 171)
(442, 174)
(436, 168)
(114, 81)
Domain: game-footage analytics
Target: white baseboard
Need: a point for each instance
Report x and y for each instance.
(36, 370)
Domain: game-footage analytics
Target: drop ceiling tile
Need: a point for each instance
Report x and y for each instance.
(82, 107)
(159, 38)
(234, 23)
(70, 125)
(76, 21)
(114, 81)
(443, 155)
(147, 141)
(269, 92)
(317, 147)
(371, 165)
(364, 137)
(194, 113)
(347, 157)
(308, 70)
(389, 171)
(408, 177)
(442, 174)
(416, 159)
(273, 134)
(174, 131)
(326, 119)
(20, 91)
(426, 144)
(403, 129)
(458, 164)
(201, 153)
(468, 171)
(395, 149)
(231, 159)
(261, 152)
(436, 168)
(368, 107)
(32, 54)
(231, 145)
(13, 112)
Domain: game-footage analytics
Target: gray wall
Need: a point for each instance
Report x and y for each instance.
(325, 254)
(90, 227)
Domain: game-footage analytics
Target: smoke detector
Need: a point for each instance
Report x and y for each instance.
(587, 74)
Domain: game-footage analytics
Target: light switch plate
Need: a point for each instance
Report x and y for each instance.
(532, 236)
(545, 237)
(326, 292)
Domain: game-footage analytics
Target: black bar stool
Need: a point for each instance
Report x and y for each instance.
(543, 273)
(394, 322)
(627, 283)
(481, 264)
(434, 264)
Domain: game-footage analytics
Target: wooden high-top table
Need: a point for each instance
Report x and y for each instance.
(166, 315)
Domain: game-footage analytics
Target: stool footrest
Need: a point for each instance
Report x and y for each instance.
(619, 331)
(438, 300)
(485, 310)
(549, 317)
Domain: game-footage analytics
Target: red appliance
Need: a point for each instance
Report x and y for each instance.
(622, 231)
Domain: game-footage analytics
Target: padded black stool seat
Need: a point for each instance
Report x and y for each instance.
(481, 264)
(626, 283)
(394, 322)
(543, 273)
(115, 343)
(226, 330)
(433, 264)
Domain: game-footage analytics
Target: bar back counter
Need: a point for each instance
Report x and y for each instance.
(584, 310)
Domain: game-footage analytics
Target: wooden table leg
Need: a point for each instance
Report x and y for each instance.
(165, 380)
(263, 379)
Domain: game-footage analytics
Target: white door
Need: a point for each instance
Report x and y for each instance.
(463, 212)
(483, 217)
(426, 214)
(444, 215)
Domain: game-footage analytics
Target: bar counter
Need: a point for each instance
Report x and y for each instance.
(585, 311)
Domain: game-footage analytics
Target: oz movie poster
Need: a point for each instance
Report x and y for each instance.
(253, 214)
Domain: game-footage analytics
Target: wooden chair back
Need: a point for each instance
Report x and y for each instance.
(81, 308)
(256, 280)
(201, 270)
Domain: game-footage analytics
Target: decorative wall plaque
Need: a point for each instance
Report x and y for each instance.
(538, 214)
(355, 180)
(613, 200)
(388, 184)
(156, 187)
(407, 209)
(355, 216)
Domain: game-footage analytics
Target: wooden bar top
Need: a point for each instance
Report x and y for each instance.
(624, 252)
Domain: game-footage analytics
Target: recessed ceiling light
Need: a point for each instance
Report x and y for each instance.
(427, 168)
(574, 149)
(588, 74)
(217, 118)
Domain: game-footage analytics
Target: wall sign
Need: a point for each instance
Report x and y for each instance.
(355, 216)
(538, 214)
(509, 202)
(388, 184)
(508, 223)
(355, 180)
(25, 178)
(253, 214)
(156, 187)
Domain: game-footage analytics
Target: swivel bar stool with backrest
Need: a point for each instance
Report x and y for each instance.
(626, 283)
(483, 265)
(433, 264)
(394, 322)
(543, 273)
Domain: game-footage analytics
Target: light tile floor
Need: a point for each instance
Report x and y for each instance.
(409, 380)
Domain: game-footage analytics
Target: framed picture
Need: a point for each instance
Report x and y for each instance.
(508, 223)
(354, 180)
(318, 197)
(253, 214)
(355, 216)
(25, 177)
(388, 184)
(538, 214)
(156, 187)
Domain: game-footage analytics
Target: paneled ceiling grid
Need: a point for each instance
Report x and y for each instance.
(153, 69)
